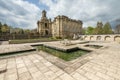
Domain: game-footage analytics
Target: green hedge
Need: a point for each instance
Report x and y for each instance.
(31, 40)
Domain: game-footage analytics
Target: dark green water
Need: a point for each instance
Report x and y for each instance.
(64, 55)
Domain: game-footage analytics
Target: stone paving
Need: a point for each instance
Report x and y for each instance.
(14, 48)
(103, 65)
(4, 42)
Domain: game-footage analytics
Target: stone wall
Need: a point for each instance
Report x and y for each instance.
(19, 36)
(66, 27)
(114, 37)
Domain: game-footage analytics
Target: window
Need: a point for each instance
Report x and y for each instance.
(45, 25)
(46, 32)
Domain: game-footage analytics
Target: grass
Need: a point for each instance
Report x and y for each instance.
(32, 40)
(67, 56)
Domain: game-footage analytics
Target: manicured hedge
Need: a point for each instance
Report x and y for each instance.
(31, 40)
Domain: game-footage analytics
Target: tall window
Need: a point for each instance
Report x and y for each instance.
(46, 32)
(45, 25)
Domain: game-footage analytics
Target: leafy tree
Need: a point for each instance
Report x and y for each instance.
(17, 31)
(107, 28)
(90, 30)
(0, 27)
(5, 25)
(5, 28)
(99, 28)
(22, 31)
(27, 31)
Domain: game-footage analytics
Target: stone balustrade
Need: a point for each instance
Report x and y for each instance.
(112, 37)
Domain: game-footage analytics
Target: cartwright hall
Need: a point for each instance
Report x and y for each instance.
(62, 26)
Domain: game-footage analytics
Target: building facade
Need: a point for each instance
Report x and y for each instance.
(61, 26)
(44, 25)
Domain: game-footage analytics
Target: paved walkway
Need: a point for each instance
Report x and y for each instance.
(15, 48)
(4, 42)
(32, 66)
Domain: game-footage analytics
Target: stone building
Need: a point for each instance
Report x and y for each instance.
(61, 26)
(44, 25)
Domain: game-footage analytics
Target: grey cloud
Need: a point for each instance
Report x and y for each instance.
(19, 13)
(5, 5)
(89, 11)
(12, 7)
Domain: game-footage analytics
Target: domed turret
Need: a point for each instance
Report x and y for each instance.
(43, 14)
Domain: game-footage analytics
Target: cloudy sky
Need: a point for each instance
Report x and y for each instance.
(25, 13)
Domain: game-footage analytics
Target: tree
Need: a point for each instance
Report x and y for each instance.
(0, 27)
(27, 31)
(22, 31)
(5, 28)
(5, 24)
(17, 31)
(99, 28)
(107, 28)
(90, 30)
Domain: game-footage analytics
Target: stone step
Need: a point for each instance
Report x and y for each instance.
(7, 49)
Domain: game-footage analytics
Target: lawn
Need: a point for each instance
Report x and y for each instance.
(32, 40)
(67, 56)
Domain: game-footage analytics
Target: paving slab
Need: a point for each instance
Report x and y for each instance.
(104, 64)
(6, 49)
